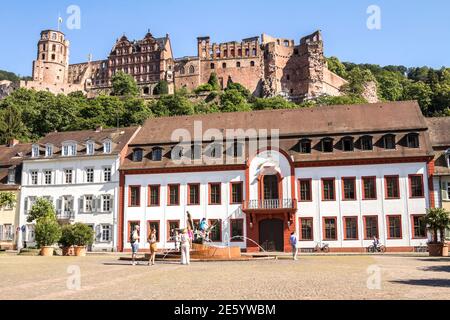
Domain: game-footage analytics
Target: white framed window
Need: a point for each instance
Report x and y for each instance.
(90, 148)
(68, 176)
(105, 233)
(29, 203)
(88, 203)
(107, 174)
(30, 235)
(89, 175)
(69, 149)
(67, 204)
(6, 232)
(35, 151)
(107, 146)
(48, 176)
(448, 190)
(106, 203)
(34, 177)
(49, 150)
(12, 176)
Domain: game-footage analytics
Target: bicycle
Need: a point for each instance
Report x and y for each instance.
(324, 248)
(379, 248)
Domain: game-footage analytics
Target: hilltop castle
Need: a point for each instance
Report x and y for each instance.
(265, 65)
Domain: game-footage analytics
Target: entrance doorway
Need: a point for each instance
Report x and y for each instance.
(271, 235)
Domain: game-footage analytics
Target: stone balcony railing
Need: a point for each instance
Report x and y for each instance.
(65, 215)
(271, 204)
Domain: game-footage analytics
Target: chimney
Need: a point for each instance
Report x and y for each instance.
(13, 142)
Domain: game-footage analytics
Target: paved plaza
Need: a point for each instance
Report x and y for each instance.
(311, 277)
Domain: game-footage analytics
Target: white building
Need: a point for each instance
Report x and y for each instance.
(78, 173)
(338, 175)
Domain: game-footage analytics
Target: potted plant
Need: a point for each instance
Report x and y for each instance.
(47, 233)
(437, 220)
(66, 241)
(83, 235)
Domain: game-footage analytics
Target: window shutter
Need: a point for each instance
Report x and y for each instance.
(1, 232)
(26, 205)
(59, 205)
(444, 194)
(98, 233)
(111, 204)
(99, 203)
(110, 238)
(81, 204)
(51, 200)
(94, 204)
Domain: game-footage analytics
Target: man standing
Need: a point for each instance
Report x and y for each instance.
(134, 240)
(293, 241)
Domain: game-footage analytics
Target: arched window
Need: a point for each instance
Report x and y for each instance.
(224, 65)
(49, 150)
(191, 69)
(252, 63)
(447, 158)
(90, 148)
(212, 66)
(35, 151)
(182, 70)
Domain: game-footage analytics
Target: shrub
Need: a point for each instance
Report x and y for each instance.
(42, 208)
(206, 87)
(83, 235)
(47, 231)
(67, 237)
(438, 219)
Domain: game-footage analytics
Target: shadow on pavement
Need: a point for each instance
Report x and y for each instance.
(425, 282)
(445, 268)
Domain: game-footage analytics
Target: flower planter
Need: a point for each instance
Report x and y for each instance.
(80, 251)
(46, 251)
(437, 249)
(68, 251)
(445, 250)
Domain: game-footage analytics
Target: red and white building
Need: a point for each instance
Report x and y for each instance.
(338, 175)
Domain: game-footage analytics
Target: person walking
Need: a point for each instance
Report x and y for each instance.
(134, 240)
(185, 248)
(293, 241)
(153, 247)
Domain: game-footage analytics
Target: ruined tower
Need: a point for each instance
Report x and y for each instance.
(52, 62)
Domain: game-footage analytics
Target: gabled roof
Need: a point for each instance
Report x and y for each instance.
(439, 129)
(119, 137)
(11, 157)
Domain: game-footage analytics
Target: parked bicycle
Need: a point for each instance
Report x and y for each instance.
(376, 248)
(322, 248)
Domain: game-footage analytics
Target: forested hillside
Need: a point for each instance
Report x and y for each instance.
(28, 115)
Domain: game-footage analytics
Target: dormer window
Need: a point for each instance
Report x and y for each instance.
(138, 155)
(347, 144)
(389, 142)
(12, 176)
(157, 154)
(447, 158)
(107, 146)
(304, 146)
(69, 150)
(412, 140)
(35, 151)
(90, 149)
(49, 150)
(366, 143)
(327, 145)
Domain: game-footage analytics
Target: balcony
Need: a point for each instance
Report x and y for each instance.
(65, 215)
(284, 205)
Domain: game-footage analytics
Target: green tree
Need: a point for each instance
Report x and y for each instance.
(390, 86)
(357, 77)
(336, 66)
(340, 100)
(272, 103)
(47, 231)
(214, 82)
(136, 111)
(124, 85)
(239, 87)
(7, 199)
(437, 220)
(173, 105)
(161, 88)
(82, 234)
(232, 100)
(42, 208)
(11, 124)
(419, 91)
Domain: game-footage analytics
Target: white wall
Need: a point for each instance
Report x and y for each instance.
(164, 213)
(77, 189)
(381, 207)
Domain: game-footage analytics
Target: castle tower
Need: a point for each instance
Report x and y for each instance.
(52, 63)
(203, 48)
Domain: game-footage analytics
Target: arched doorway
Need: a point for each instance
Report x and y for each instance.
(271, 235)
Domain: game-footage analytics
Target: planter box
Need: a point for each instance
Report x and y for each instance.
(438, 249)
(47, 251)
(80, 251)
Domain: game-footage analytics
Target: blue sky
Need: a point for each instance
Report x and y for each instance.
(413, 33)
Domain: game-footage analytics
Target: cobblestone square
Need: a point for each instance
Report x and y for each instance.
(311, 277)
